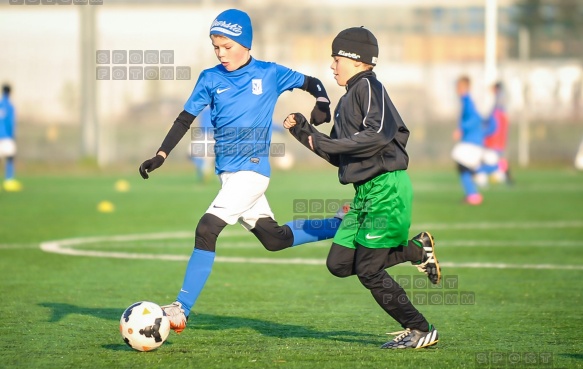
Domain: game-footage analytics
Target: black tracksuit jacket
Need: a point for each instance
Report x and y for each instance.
(368, 137)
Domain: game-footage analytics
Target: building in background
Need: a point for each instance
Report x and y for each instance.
(424, 46)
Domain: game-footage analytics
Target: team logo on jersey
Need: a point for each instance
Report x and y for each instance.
(257, 87)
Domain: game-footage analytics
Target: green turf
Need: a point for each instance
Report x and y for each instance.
(61, 311)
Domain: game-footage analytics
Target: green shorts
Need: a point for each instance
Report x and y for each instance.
(380, 214)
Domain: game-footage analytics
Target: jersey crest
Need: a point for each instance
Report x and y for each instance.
(257, 87)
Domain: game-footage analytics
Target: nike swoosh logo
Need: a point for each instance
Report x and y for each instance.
(181, 290)
(219, 91)
(369, 237)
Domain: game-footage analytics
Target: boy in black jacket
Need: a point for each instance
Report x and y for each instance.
(367, 144)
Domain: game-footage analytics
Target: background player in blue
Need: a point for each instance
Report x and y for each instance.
(241, 92)
(468, 152)
(7, 142)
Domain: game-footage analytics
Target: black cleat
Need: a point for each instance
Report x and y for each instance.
(429, 264)
(413, 338)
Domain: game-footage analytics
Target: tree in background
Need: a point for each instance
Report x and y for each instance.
(554, 26)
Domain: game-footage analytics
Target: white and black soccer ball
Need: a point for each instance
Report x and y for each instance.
(144, 326)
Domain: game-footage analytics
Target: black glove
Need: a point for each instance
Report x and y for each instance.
(321, 113)
(151, 164)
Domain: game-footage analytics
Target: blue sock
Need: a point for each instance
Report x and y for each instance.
(197, 272)
(312, 230)
(9, 168)
(468, 183)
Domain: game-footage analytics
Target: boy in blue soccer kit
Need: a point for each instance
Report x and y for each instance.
(241, 93)
(469, 151)
(367, 144)
(7, 143)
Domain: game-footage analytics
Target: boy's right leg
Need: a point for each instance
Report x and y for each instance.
(240, 191)
(10, 183)
(369, 266)
(370, 269)
(472, 196)
(197, 272)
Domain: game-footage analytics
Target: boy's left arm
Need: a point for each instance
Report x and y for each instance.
(302, 131)
(321, 112)
(288, 79)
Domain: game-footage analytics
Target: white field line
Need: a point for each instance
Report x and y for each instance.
(254, 244)
(55, 247)
(423, 226)
(569, 187)
(501, 225)
(65, 247)
(18, 246)
(513, 266)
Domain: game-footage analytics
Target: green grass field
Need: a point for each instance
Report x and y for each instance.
(516, 262)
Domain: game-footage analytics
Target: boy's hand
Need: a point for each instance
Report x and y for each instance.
(321, 112)
(150, 165)
(290, 121)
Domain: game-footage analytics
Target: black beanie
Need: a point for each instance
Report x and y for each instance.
(356, 43)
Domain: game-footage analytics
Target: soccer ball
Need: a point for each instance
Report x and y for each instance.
(144, 326)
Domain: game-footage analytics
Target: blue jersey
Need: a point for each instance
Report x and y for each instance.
(6, 119)
(242, 104)
(471, 122)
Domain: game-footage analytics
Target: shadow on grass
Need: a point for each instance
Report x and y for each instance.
(117, 347)
(277, 330)
(220, 322)
(59, 311)
(124, 347)
(573, 356)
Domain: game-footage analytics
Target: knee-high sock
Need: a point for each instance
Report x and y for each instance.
(468, 183)
(9, 168)
(197, 272)
(312, 230)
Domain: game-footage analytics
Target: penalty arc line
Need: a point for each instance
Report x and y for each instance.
(63, 247)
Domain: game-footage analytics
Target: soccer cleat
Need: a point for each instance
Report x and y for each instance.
(176, 316)
(429, 264)
(413, 338)
(474, 199)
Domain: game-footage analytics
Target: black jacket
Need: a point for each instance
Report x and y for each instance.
(368, 137)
